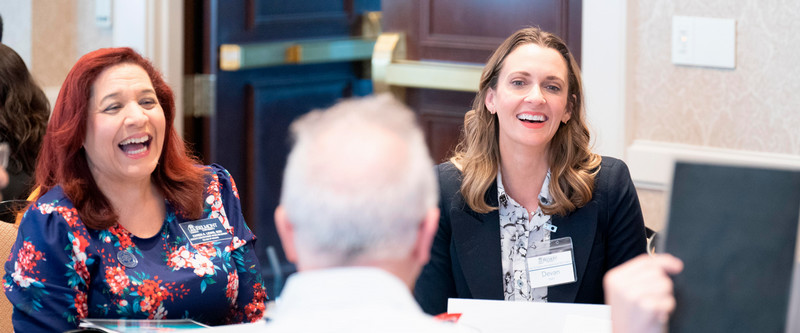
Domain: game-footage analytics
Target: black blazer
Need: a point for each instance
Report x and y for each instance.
(465, 257)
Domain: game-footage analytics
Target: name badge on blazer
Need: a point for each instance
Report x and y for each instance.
(551, 263)
(205, 231)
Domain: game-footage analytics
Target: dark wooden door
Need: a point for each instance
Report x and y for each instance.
(247, 130)
(467, 31)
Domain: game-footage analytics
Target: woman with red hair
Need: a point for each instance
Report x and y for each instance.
(127, 223)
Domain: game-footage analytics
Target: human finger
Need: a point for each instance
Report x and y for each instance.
(669, 263)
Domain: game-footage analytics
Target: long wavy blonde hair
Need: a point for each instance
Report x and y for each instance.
(573, 166)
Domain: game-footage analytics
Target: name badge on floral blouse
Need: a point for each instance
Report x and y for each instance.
(205, 231)
(551, 263)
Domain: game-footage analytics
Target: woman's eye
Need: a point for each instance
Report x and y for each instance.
(517, 83)
(112, 108)
(147, 102)
(553, 88)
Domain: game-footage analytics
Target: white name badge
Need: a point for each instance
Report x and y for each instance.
(551, 263)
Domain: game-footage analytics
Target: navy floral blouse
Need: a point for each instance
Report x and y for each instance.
(60, 272)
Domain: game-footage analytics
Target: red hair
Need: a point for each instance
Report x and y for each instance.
(62, 159)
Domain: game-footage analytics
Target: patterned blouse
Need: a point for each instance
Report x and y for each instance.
(519, 229)
(60, 272)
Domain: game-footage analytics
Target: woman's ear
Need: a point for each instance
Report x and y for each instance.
(489, 101)
(573, 101)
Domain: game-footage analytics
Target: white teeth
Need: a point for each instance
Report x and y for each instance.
(530, 117)
(137, 151)
(137, 140)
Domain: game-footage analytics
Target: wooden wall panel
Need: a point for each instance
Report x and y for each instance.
(469, 30)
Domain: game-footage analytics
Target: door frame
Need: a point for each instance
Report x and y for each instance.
(605, 76)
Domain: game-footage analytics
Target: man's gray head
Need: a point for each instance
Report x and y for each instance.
(358, 182)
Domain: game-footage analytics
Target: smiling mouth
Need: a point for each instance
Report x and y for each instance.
(530, 118)
(135, 146)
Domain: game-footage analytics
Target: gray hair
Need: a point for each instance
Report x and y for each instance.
(358, 182)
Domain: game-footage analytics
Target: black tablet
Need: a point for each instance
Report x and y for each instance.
(735, 228)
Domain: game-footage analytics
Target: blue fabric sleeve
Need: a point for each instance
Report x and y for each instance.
(252, 296)
(47, 270)
(232, 204)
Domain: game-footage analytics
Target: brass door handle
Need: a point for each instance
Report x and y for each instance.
(390, 70)
(233, 57)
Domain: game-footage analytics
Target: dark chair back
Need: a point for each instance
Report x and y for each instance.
(651, 240)
(10, 208)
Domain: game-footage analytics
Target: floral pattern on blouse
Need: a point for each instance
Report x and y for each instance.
(519, 229)
(60, 272)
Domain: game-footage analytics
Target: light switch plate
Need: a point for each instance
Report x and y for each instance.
(102, 13)
(703, 41)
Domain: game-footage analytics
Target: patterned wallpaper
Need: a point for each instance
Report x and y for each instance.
(53, 36)
(654, 207)
(62, 32)
(752, 107)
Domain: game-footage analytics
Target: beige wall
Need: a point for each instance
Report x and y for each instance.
(51, 35)
(88, 36)
(52, 44)
(61, 33)
(753, 107)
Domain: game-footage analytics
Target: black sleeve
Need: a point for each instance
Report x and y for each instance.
(626, 232)
(435, 284)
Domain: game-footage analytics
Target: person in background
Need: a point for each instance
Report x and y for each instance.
(523, 175)
(24, 110)
(117, 229)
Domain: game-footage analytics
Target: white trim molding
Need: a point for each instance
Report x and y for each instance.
(603, 67)
(164, 37)
(651, 163)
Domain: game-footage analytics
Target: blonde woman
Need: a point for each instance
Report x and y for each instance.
(523, 184)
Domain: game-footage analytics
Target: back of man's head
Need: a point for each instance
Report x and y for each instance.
(358, 183)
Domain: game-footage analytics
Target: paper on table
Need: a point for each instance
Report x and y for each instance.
(494, 316)
(583, 324)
